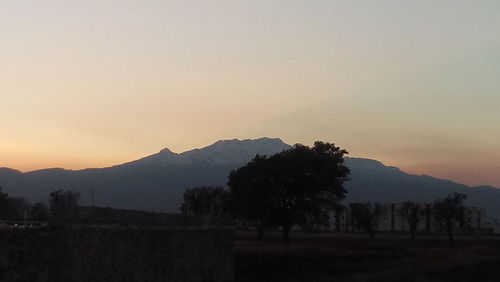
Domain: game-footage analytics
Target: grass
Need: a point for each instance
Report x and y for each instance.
(354, 257)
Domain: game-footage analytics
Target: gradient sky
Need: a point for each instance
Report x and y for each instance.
(414, 84)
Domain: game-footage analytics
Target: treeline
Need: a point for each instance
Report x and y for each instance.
(61, 208)
(64, 210)
(302, 186)
(296, 186)
(19, 209)
(447, 214)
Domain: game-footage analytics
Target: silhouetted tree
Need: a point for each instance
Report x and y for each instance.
(315, 217)
(412, 213)
(286, 187)
(39, 212)
(449, 213)
(205, 200)
(339, 210)
(18, 208)
(249, 194)
(366, 216)
(12, 208)
(4, 205)
(63, 206)
(319, 216)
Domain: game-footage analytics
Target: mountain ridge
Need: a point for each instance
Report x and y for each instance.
(157, 181)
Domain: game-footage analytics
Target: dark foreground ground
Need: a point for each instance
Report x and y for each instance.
(353, 257)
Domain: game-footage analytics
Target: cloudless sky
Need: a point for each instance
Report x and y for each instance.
(414, 84)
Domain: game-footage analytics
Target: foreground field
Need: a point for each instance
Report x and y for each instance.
(353, 257)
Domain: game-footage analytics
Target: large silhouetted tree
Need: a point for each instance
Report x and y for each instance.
(249, 195)
(449, 213)
(284, 188)
(412, 213)
(366, 216)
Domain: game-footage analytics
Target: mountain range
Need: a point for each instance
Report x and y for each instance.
(156, 182)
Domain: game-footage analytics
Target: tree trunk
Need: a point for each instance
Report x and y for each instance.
(413, 230)
(310, 227)
(261, 234)
(260, 230)
(449, 228)
(286, 233)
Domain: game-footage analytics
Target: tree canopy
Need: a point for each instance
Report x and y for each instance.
(365, 216)
(281, 189)
(63, 206)
(449, 213)
(12, 208)
(412, 212)
(205, 200)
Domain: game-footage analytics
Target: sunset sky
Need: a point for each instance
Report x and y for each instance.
(414, 84)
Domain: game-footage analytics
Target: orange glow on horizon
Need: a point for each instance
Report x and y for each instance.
(413, 84)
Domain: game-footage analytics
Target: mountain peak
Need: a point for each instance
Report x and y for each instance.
(266, 140)
(236, 151)
(167, 151)
(222, 152)
(156, 182)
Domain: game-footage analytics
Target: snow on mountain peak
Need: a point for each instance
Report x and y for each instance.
(222, 152)
(237, 151)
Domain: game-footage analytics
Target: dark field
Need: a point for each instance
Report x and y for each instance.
(353, 257)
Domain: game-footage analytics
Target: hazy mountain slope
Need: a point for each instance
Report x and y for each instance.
(372, 181)
(157, 182)
(9, 178)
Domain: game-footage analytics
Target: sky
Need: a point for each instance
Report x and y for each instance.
(414, 84)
